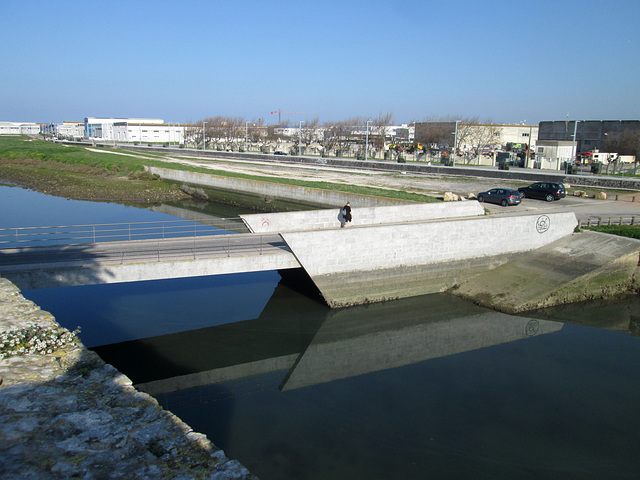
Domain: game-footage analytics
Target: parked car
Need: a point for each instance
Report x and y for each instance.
(279, 153)
(500, 196)
(544, 191)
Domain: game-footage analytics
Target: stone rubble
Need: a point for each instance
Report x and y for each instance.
(68, 415)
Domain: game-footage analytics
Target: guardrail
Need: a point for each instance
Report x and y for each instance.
(148, 251)
(115, 232)
(597, 222)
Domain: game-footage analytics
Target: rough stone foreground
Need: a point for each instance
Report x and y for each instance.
(68, 415)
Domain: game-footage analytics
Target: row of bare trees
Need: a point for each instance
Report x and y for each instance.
(233, 132)
(453, 132)
(345, 136)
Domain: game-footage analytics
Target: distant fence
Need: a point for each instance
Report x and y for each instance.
(597, 222)
(116, 232)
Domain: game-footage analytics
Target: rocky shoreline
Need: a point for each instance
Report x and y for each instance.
(66, 414)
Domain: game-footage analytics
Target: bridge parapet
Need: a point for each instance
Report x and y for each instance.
(330, 218)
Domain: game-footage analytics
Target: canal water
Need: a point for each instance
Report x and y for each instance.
(431, 387)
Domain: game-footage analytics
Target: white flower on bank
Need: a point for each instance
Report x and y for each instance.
(35, 340)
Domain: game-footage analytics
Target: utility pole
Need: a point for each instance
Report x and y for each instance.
(300, 139)
(526, 163)
(573, 147)
(366, 150)
(204, 138)
(455, 143)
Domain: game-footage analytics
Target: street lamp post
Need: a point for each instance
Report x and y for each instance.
(455, 143)
(526, 162)
(573, 145)
(204, 139)
(246, 136)
(300, 139)
(366, 148)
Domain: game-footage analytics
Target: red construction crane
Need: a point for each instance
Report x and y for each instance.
(279, 112)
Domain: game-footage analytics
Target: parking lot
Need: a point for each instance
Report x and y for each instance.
(584, 208)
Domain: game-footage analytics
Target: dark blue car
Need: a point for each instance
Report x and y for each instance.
(500, 196)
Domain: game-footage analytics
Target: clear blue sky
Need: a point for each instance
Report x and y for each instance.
(505, 61)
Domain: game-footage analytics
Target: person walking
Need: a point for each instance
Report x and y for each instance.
(346, 214)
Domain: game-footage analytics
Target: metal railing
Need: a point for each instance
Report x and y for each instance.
(115, 232)
(597, 222)
(159, 250)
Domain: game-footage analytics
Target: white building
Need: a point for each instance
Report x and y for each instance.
(551, 154)
(171, 133)
(18, 128)
(73, 130)
(516, 135)
(520, 134)
(143, 130)
(102, 128)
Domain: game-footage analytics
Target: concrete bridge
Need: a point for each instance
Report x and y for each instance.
(389, 252)
(140, 260)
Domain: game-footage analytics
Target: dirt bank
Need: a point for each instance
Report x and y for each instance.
(81, 182)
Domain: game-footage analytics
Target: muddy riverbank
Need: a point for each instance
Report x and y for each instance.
(82, 182)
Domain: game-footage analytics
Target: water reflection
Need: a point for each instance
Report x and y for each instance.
(429, 387)
(119, 312)
(314, 344)
(620, 314)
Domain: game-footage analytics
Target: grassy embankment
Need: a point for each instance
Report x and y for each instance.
(631, 231)
(73, 171)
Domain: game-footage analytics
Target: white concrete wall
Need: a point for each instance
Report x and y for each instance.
(326, 219)
(275, 190)
(325, 252)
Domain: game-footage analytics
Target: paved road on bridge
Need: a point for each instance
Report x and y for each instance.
(119, 253)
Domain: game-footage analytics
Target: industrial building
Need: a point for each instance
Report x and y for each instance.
(474, 135)
(19, 128)
(561, 142)
(141, 130)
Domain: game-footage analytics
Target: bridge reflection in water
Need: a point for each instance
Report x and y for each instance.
(319, 345)
(402, 389)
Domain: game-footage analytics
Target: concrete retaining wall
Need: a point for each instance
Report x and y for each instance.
(353, 249)
(331, 219)
(581, 266)
(375, 263)
(274, 190)
(526, 174)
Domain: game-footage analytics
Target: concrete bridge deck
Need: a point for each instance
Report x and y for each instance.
(139, 260)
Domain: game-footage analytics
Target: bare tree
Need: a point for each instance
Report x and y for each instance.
(625, 143)
(379, 125)
(309, 132)
(483, 135)
(193, 134)
(340, 136)
(435, 131)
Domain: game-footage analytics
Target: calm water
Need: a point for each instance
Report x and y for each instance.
(422, 388)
